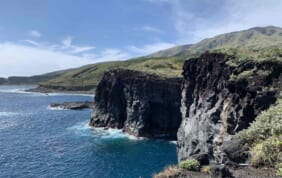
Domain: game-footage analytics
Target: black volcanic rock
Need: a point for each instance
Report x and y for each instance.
(139, 103)
(79, 105)
(215, 106)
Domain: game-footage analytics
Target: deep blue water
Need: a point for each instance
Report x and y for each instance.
(38, 142)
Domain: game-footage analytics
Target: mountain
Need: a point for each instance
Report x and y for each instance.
(257, 43)
(32, 80)
(254, 38)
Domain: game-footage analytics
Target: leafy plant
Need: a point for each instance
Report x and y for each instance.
(192, 165)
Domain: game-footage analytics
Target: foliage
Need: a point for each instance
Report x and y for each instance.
(170, 171)
(264, 136)
(279, 168)
(206, 169)
(192, 165)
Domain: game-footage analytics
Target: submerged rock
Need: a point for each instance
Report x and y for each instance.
(73, 105)
(141, 104)
(216, 105)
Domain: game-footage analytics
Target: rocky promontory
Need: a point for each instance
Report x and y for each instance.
(141, 104)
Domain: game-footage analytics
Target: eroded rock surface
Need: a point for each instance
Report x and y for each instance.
(139, 103)
(216, 105)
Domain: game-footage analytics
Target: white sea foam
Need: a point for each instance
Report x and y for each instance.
(173, 142)
(55, 108)
(84, 129)
(7, 114)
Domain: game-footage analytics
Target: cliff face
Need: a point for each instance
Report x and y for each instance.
(218, 100)
(139, 103)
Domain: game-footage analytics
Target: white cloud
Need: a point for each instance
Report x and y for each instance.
(32, 58)
(16, 59)
(148, 28)
(150, 48)
(67, 44)
(35, 33)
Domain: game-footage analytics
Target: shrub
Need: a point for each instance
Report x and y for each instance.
(268, 152)
(206, 170)
(264, 137)
(170, 171)
(279, 167)
(192, 165)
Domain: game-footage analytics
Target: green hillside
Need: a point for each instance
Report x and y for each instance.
(254, 38)
(258, 43)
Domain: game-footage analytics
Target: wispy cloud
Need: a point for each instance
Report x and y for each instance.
(227, 16)
(34, 33)
(29, 57)
(150, 48)
(148, 28)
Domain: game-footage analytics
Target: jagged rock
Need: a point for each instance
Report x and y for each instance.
(139, 103)
(215, 106)
(73, 105)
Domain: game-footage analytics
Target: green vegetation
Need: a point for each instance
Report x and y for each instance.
(264, 136)
(88, 76)
(255, 38)
(191, 165)
(279, 167)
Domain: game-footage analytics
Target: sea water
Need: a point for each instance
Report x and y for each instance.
(36, 141)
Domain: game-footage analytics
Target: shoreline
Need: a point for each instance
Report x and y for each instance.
(53, 91)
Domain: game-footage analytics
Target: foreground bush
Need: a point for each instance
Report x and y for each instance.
(170, 171)
(191, 165)
(264, 137)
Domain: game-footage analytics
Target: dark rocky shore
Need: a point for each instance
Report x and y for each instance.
(79, 105)
(205, 110)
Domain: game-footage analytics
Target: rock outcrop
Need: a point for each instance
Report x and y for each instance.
(79, 105)
(141, 104)
(218, 100)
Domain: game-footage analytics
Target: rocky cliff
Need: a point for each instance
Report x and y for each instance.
(220, 98)
(140, 104)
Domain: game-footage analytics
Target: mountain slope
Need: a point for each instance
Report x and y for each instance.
(254, 38)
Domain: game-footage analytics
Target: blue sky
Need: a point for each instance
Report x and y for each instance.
(47, 35)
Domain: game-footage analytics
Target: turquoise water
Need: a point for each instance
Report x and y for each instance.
(36, 141)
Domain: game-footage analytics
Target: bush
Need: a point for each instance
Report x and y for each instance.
(264, 137)
(191, 165)
(206, 170)
(267, 153)
(170, 171)
(279, 167)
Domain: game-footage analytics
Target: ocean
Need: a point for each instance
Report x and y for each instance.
(37, 141)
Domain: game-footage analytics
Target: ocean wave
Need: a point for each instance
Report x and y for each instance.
(84, 129)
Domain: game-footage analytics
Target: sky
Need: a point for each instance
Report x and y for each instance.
(42, 36)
